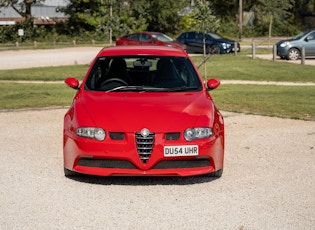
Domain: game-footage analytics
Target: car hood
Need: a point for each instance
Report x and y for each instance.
(287, 40)
(176, 44)
(290, 40)
(159, 112)
(225, 40)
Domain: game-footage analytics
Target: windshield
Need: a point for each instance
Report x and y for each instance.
(143, 73)
(300, 35)
(162, 37)
(214, 35)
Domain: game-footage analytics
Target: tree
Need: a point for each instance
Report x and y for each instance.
(204, 21)
(113, 19)
(83, 14)
(274, 10)
(161, 16)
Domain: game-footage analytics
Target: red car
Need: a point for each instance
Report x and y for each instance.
(143, 110)
(149, 38)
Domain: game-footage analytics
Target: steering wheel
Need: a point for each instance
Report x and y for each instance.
(117, 80)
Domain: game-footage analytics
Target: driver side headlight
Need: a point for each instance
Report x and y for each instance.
(197, 133)
(284, 44)
(90, 132)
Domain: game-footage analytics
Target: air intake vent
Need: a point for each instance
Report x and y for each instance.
(144, 146)
(172, 136)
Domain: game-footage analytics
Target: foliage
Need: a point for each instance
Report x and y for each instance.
(110, 24)
(162, 16)
(83, 15)
(90, 19)
(204, 17)
(205, 21)
(270, 11)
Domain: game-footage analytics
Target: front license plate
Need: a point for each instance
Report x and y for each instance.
(185, 150)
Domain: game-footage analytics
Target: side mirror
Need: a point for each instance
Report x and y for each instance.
(72, 82)
(213, 83)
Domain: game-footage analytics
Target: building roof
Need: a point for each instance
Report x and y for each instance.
(8, 12)
(42, 14)
(46, 11)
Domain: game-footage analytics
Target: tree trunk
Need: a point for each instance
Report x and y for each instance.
(270, 28)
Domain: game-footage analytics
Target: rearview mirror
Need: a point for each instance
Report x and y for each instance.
(72, 82)
(142, 63)
(213, 83)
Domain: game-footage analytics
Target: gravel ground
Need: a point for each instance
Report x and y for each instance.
(268, 181)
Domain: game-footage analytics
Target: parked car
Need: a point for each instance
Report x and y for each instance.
(149, 38)
(143, 110)
(215, 43)
(291, 49)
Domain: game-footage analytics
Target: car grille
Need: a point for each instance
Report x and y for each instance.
(144, 146)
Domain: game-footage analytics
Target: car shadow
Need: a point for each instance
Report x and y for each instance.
(142, 181)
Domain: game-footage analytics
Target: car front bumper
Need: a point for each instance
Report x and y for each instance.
(122, 158)
(282, 51)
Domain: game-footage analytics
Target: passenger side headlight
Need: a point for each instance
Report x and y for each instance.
(90, 132)
(197, 133)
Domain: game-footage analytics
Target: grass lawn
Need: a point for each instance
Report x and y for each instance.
(45, 73)
(242, 67)
(296, 102)
(282, 101)
(17, 96)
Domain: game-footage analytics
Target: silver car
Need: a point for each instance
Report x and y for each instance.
(291, 49)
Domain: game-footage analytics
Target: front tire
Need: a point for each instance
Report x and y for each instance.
(214, 49)
(216, 174)
(69, 173)
(293, 54)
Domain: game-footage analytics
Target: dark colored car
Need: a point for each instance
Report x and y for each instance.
(215, 43)
(149, 38)
(291, 49)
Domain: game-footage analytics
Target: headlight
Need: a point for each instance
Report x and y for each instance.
(284, 44)
(224, 46)
(89, 132)
(197, 133)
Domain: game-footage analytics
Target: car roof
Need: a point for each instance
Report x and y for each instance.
(147, 32)
(142, 50)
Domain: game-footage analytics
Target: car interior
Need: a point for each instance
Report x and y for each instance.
(156, 73)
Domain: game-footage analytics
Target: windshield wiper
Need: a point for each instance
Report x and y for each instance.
(182, 88)
(135, 88)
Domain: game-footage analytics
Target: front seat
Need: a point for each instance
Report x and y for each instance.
(118, 70)
(166, 75)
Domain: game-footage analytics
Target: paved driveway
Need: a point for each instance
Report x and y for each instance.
(47, 57)
(70, 56)
(268, 180)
